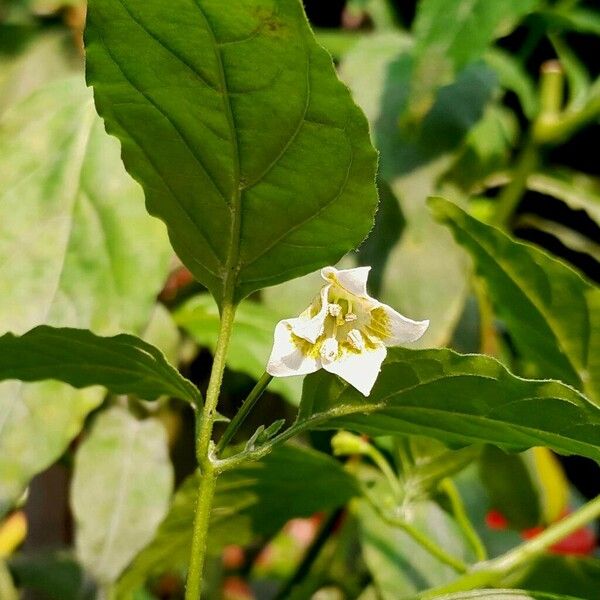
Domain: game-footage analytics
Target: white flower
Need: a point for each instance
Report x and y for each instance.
(343, 331)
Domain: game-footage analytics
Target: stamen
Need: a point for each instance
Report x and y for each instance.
(329, 349)
(335, 310)
(350, 317)
(356, 340)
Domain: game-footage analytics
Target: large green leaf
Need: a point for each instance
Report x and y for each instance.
(246, 143)
(120, 491)
(552, 313)
(251, 339)
(124, 363)
(400, 566)
(450, 34)
(426, 275)
(458, 399)
(252, 500)
(74, 239)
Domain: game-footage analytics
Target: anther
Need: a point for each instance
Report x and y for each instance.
(335, 310)
(350, 317)
(356, 340)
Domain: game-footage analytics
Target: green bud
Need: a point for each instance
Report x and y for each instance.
(345, 443)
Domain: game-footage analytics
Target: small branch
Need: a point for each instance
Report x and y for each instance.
(458, 565)
(460, 514)
(243, 412)
(490, 572)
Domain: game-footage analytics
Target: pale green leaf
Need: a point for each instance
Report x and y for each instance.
(458, 399)
(251, 150)
(426, 276)
(552, 313)
(450, 34)
(77, 249)
(253, 500)
(120, 492)
(251, 339)
(399, 565)
(502, 595)
(124, 363)
(577, 190)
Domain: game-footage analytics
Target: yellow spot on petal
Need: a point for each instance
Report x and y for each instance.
(380, 325)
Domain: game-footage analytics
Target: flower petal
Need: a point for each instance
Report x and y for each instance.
(311, 329)
(286, 356)
(401, 329)
(352, 280)
(359, 370)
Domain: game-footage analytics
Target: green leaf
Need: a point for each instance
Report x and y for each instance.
(510, 487)
(552, 313)
(426, 276)
(55, 574)
(252, 500)
(389, 224)
(458, 399)
(513, 76)
(399, 565)
(124, 364)
(577, 190)
(251, 340)
(120, 492)
(450, 34)
(562, 575)
(67, 257)
(39, 57)
(233, 120)
(502, 595)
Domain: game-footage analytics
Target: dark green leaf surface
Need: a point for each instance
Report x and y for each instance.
(552, 313)
(120, 492)
(458, 399)
(124, 364)
(253, 500)
(251, 150)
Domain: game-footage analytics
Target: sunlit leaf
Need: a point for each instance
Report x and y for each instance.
(552, 313)
(458, 399)
(120, 492)
(124, 363)
(251, 340)
(252, 151)
(77, 249)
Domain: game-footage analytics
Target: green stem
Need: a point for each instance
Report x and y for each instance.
(311, 555)
(387, 471)
(490, 572)
(205, 455)
(460, 514)
(244, 411)
(419, 537)
(512, 193)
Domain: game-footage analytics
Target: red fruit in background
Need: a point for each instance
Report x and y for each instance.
(494, 519)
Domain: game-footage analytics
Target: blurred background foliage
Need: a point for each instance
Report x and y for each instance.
(494, 104)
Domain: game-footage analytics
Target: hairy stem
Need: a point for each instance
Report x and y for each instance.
(204, 454)
(244, 411)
